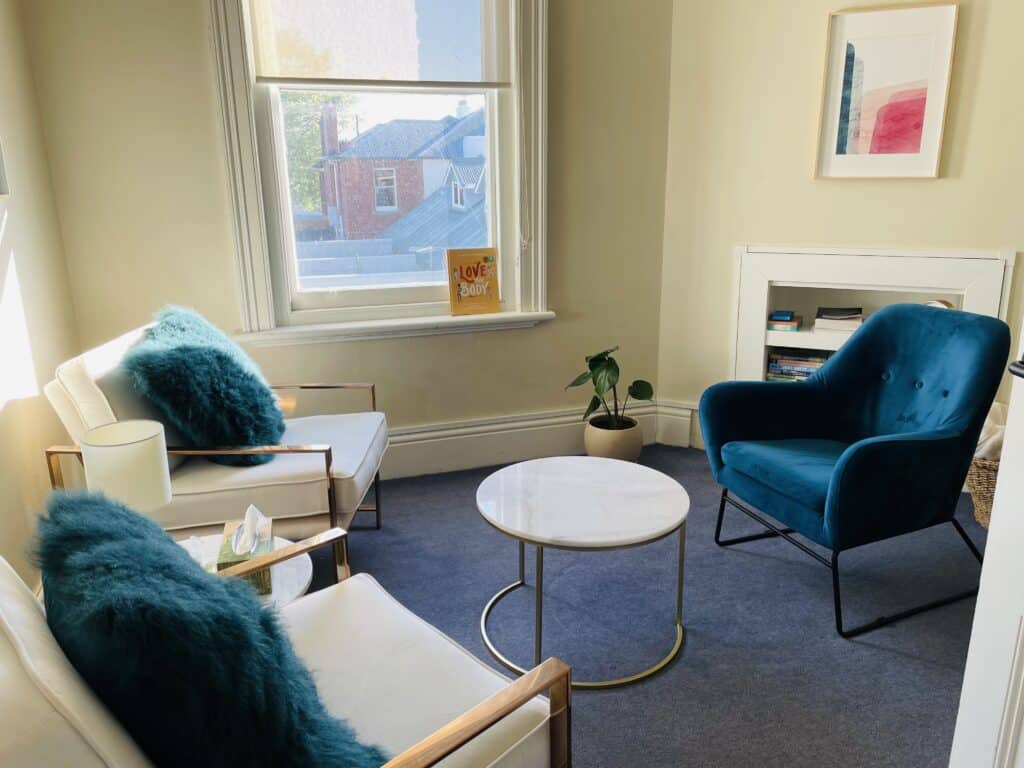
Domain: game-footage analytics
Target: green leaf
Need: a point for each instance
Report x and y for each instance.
(583, 378)
(641, 390)
(595, 403)
(604, 354)
(595, 360)
(606, 376)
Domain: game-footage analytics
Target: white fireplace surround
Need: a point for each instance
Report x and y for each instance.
(977, 280)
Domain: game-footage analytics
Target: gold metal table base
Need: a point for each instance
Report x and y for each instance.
(539, 618)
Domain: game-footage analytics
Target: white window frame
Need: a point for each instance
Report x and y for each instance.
(378, 186)
(262, 233)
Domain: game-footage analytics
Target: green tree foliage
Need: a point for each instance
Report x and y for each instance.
(301, 111)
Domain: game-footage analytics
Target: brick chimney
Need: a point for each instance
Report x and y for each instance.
(329, 128)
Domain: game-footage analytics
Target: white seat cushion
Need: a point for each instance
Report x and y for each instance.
(50, 716)
(396, 679)
(290, 486)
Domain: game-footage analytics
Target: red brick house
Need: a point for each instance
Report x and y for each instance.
(369, 183)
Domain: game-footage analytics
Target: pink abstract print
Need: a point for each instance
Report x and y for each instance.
(899, 124)
(882, 106)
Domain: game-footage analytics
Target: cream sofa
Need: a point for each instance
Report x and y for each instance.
(398, 681)
(91, 390)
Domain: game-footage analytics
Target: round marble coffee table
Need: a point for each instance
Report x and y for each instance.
(581, 503)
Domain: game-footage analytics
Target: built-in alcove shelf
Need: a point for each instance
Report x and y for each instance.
(806, 339)
(802, 279)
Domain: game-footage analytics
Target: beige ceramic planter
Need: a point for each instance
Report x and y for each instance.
(622, 444)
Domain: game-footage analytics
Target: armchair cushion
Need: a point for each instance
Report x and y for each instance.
(294, 485)
(396, 679)
(192, 664)
(800, 469)
(205, 386)
(755, 410)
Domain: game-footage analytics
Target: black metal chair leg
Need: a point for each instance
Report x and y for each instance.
(967, 540)
(885, 620)
(739, 539)
(376, 497)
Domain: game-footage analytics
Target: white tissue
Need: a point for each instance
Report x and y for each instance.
(247, 535)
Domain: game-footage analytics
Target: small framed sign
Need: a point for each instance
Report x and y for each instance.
(473, 281)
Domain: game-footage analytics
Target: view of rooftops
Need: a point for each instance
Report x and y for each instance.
(381, 184)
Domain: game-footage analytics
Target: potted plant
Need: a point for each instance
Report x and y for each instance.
(611, 433)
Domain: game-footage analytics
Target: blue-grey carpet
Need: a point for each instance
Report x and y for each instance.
(762, 680)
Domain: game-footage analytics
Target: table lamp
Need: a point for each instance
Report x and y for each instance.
(127, 460)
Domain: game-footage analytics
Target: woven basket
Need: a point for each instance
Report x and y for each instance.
(981, 482)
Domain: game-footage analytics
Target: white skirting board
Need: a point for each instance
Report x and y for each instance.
(453, 445)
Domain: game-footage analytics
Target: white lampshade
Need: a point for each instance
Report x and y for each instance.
(127, 460)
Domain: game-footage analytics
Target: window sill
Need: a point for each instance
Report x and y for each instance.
(392, 329)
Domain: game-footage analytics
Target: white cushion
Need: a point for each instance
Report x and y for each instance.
(290, 486)
(92, 389)
(396, 679)
(50, 716)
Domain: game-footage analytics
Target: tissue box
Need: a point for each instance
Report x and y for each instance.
(226, 557)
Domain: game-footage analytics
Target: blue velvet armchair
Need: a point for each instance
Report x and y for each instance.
(876, 444)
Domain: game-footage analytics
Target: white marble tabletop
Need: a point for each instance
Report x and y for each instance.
(289, 580)
(582, 502)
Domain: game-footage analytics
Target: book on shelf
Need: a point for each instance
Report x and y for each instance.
(793, 324)
(793, 364)
(838, 318)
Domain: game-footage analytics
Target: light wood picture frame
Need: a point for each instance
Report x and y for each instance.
(885, 91)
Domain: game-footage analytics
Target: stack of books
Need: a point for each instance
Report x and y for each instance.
(794, 364)
(784, 320)
(838, 319)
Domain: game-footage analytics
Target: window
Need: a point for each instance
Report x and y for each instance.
(387, 133)
(384, 191)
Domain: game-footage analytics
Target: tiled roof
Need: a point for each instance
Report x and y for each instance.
(435, 224)
(449, 143)
(396, 138)
(416, 138)
(468, 171)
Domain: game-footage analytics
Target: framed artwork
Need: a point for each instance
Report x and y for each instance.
(887, 74)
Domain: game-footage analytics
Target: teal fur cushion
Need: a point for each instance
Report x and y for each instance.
(205, 386)
(194, 667)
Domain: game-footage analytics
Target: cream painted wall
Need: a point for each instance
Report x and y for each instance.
(745, 96)
(127, 93)
(133, 134)
(30, 247)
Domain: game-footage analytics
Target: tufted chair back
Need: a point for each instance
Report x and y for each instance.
(912, 367)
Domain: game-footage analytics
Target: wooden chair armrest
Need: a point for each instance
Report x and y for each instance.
(552, 675)
(285, 553)
(75, 450)
(372, 388)
(54, 452)
(64, 449)
(255, 450)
